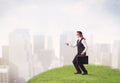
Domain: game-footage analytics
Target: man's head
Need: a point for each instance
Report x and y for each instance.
(79, 34)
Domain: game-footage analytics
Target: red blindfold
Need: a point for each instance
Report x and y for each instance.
(78, 34)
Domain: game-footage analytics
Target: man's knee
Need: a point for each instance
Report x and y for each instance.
(80, 64)
(74, 61)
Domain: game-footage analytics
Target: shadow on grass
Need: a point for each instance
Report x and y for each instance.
(91, 75)
(86, 75)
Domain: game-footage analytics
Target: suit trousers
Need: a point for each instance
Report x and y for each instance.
(78, 66)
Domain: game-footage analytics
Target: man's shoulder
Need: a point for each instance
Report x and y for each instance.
(83, 40)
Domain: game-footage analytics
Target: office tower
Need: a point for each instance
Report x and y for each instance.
(90, 53)
(103, 54)
(43, 52)
(67, 53)
(4, 76)
(20, 52)
(38, 43)
(116, 54)
(48, 42)
(46, 52)
(56, 50)
(5, 55)
(46, 58)
(14, 74)
(7, 65)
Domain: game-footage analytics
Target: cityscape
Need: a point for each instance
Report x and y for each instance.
(33, 34)
(28, 55)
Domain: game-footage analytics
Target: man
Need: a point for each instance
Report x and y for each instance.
(81, 51)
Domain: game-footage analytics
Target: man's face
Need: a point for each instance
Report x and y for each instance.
(78, 35)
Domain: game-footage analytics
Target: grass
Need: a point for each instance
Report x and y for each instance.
(97, 74)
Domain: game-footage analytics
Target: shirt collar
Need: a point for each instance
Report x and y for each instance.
(79, 39)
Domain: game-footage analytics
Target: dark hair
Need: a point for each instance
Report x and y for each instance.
(79, 32)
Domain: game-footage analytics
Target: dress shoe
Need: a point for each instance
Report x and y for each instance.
(77, 73)
(85, 73)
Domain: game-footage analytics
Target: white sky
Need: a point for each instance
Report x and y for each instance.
(99, 18)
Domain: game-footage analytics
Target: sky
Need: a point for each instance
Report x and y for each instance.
(99, 18)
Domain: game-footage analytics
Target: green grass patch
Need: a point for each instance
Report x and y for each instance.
(97, 74)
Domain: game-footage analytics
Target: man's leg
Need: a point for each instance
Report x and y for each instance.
(76, 65)
(83, 69)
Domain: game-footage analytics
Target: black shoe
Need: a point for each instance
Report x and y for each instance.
(85, 73)
(77, 73)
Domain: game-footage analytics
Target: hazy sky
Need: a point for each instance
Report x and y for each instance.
(99, 18)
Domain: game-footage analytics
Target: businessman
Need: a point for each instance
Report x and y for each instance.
(81, 51)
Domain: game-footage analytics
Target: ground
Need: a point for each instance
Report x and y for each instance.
(65, 74)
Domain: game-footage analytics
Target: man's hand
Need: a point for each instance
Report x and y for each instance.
(67, 44)
(82, 53)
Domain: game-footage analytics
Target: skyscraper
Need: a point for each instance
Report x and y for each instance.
(38, 46)
(90, 53)
(5, 55)
(38, 43)
(103, 54)
(48, 42)
(116, 54)
(44, 52)
(4, 76)
(20, 52)
(67, 53)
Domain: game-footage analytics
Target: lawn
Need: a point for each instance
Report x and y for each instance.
(65, 74)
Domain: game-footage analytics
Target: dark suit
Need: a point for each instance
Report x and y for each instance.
(80, 66)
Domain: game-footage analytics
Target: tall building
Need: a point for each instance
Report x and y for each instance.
(56, 47)
(46, 57)
(48, 42)
(67, 53)
(5, 55)
(90, 53)
(116, 54)
(103, 55)
(14, 74)
(20, 52)
(38, 43)
(4, 74)
(52, 47)
(45, 52)
(13, 70)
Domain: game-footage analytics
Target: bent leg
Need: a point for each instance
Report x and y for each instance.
(76, 65)
(83, 68)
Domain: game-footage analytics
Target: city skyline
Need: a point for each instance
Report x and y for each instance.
(45, 52)
(88, 36)
(33, 34)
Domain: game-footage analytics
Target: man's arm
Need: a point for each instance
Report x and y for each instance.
(85, 45)
(71, 45)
